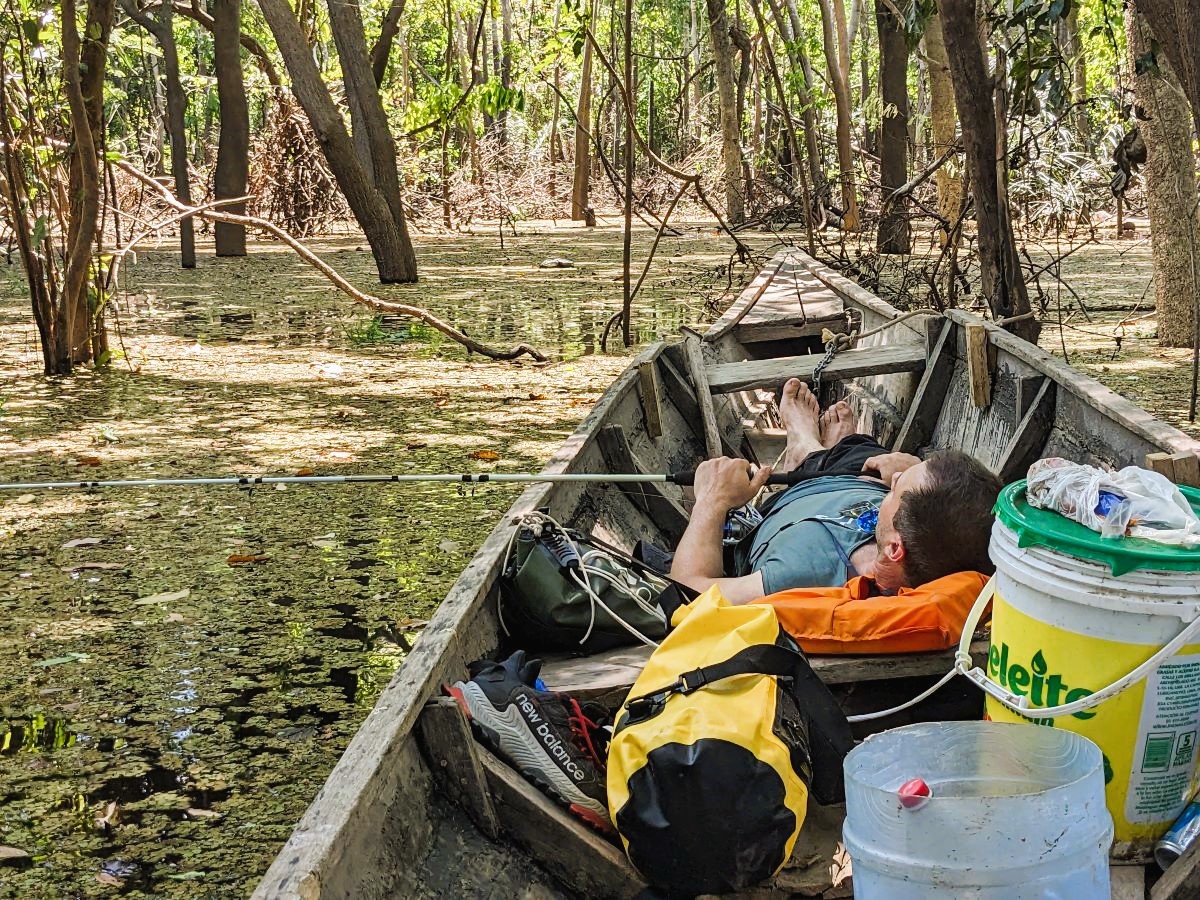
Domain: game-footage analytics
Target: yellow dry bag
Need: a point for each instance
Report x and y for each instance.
(714, 753)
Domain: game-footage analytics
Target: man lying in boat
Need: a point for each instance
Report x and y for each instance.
(935, 520)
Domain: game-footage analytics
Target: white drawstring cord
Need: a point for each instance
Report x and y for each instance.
(536, 522)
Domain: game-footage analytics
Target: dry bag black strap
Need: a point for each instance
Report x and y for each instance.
(829, 732)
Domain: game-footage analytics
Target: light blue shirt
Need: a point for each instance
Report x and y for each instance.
(809, 533)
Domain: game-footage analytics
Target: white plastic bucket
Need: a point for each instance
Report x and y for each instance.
(1064, 627)
(1016, 813)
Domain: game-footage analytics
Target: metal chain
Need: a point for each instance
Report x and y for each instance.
(830, 349)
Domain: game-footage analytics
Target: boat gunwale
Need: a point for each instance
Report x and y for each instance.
(315, 841)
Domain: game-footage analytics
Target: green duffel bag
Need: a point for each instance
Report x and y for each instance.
(562, 590)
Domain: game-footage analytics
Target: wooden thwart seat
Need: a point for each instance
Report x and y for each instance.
(607, 677)
(772, 373)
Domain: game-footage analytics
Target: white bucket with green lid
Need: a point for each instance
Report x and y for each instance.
(1106, 634)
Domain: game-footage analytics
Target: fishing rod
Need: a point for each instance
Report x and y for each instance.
(682, 479)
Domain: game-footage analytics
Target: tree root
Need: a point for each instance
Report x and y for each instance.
(368, 300)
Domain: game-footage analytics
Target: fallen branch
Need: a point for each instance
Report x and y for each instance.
(368, 300)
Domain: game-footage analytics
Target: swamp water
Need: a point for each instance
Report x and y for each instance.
(181, 668)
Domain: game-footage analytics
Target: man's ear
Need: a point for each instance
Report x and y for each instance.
(893, 548)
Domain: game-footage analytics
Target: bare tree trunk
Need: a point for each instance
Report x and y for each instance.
(389, 243)
(388, 29)
(630, 171)
(233, 148)
(870, 138)
(1170, 173)
(506, 27)
(583, 115)
(163, 30)
(999, 266)
(731, 139)
(79, 334)
(555, 151)
(894, 235)
(697, 63)
(158, 105)
(832, 22)
(801, 63)
(1074, 51)
(1177, 29)
(943, 124)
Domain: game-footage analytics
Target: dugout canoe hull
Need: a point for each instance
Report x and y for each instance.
(384, 823)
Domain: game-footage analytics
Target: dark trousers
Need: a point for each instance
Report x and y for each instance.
(847, 455)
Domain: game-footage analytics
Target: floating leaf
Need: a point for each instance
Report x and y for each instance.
(88, 460)
(415, 445)
(111, 818)
(12, 855)
(187, 876)
(305, 472)
(26, 498)
(110, 880)
(237, 559)
(172, 617)
(111, 566)
(485, 455)
(533, 396)
(197, 813)
(168, 597)
(59, 660)
(83, 542)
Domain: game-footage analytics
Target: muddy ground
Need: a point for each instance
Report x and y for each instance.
(180, 668)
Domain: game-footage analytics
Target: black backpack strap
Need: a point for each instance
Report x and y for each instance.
(829, 732)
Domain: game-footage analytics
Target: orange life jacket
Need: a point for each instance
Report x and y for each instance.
(849, 620)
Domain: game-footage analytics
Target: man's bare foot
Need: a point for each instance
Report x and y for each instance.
(799, 412)
(837, 422)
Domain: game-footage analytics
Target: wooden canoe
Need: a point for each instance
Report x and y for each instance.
(415, 808)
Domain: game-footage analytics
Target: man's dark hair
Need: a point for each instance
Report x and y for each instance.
(946, 523)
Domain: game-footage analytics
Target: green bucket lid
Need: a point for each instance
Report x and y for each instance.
(1044, 528)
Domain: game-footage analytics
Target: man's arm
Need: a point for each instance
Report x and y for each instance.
(721, 485)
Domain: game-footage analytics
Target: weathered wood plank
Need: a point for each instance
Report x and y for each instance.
(757, 333)
(608, 675)
(1187, 468)
(694, 355)
(663, 509)
(931, 394)
(1030, 437)
(783, 293)
(451, 750)
(684, 398)
(1109, 404)
(650, 393)
(1181, 881)
(1128, 882)
(563, 846)
(772, 373)
(1161, 463)
(746, 300)
(978, 367)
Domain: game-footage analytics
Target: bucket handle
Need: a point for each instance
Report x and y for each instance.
(1019, 703)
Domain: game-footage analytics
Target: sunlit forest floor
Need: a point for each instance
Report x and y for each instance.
(180, 668)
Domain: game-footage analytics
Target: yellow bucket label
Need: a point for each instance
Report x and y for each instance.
(1148, 733)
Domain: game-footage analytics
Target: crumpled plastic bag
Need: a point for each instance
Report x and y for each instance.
(1132, 502)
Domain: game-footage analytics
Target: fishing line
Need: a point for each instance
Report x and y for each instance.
(681, 479)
